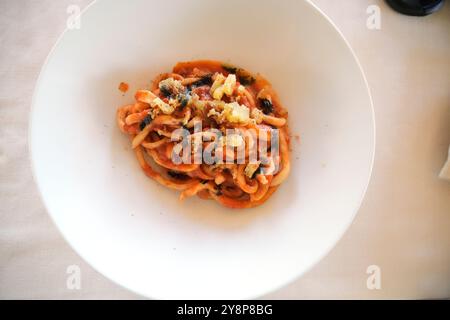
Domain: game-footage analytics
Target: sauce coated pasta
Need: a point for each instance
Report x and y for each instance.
(213, 130)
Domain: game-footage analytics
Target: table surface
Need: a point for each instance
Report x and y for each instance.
(403, 226)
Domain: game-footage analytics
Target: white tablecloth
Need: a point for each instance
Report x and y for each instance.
(403, 225)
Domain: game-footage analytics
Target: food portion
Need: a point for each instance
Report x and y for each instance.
(213, 130)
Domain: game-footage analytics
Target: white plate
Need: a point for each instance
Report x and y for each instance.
(136, 232)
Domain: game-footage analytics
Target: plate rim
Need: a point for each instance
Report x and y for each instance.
(277, 287)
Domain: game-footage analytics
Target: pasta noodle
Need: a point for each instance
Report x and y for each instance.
(212, 130)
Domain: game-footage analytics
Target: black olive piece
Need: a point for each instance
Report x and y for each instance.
(219, 190)
(145, 122)
(204, 80)
(244, 77)
(176, 175)
(229, 68)
(266, 106)
(183, 99)
(165, 90)
(257, 171)
(246, 80)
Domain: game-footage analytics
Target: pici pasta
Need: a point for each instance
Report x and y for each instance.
(213, 130)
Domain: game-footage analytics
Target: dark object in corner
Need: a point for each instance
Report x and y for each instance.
(416, 7)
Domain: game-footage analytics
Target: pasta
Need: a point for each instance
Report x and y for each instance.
(213, 130)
